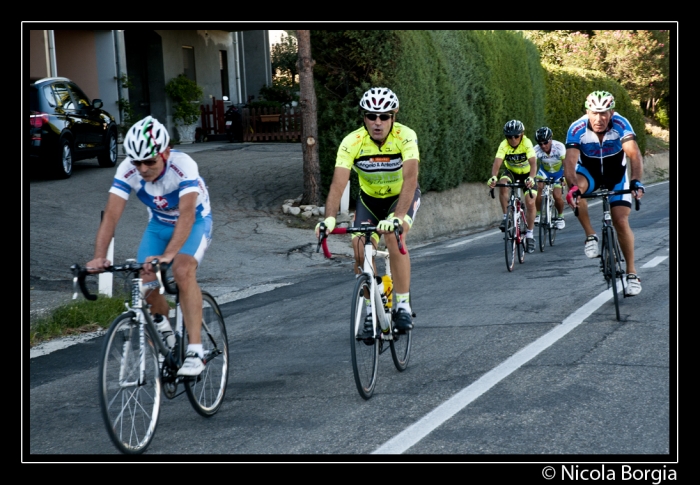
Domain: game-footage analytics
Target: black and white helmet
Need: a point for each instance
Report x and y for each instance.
(379, 100)
(544, 134)
(146, 139)
(513, 128)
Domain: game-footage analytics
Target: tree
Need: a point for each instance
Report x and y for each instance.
(284, 59)
(309, 126)
(637, 59)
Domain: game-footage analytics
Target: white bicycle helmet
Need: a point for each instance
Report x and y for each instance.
(146, 139)
(379, 100)
(600, 101)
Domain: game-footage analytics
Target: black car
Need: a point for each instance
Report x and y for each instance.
(64, 127)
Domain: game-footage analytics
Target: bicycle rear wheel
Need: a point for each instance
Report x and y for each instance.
(206, 391)
(509, 237)
(401, 349)
(129, 384)
(365, 353)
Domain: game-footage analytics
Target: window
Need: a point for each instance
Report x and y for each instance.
(188, 62)
(223, 68)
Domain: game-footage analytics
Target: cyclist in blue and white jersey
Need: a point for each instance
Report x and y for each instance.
(550, 163)
(601, 147)
(179, 227)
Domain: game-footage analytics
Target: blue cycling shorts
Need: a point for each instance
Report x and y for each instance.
(157, 236)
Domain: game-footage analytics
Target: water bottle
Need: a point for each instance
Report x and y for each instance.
(388, 288)
(165, 330)
(380, 287)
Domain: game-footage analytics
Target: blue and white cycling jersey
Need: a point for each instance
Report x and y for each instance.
(606, 159)
(162, 196)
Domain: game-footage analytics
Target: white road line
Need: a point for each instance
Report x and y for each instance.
(472, 239)
(419, 430)
(655, 261)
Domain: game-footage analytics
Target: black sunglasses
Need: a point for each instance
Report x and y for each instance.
(383, 116)
(512, 137)
(148, 163)
(542, 143)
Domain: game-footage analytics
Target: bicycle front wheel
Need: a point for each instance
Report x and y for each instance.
(552, 224)
(521, 236)
(365, 352)
(611, 266)
(544, 222)
(206, 391)
(129, 384)
(509, 237)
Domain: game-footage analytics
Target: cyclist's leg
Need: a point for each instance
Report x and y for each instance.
(365, 212)
(153, 242)
(625, 236)
(586, 184)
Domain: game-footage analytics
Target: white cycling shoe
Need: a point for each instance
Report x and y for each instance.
(634, 285)
(192, 366)
(591, 248)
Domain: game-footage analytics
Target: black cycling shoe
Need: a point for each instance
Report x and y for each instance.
(502, 227)
(530, 244)
(402, 320)
(367, 333)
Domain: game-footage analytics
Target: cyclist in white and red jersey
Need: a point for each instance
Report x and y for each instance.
(179, 227)
(384, 153)
(550, 162)
(601, 147)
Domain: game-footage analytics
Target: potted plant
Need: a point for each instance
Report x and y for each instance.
(186, 95)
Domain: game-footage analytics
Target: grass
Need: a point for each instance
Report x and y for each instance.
(77, 317)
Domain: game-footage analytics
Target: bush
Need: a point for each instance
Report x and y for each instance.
(186, 94)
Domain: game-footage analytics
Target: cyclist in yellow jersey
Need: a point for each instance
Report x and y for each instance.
(384, 153)
(518, 155)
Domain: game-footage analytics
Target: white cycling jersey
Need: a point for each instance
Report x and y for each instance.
(162, 196)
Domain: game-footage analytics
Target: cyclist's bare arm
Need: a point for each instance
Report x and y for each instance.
(634, 155)
(183, 226)
(113, 212)
(570, 161)
(408, 188)
(341, 176)
(496, 168)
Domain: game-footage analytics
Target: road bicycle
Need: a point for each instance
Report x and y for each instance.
(548, 212)
(137, 367)
(610, 254)
(516, 224)
(366, 351)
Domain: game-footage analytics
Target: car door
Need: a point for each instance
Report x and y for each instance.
(89, 123)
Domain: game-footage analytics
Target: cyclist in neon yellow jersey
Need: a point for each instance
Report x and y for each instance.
(384, 153)
(518, 155)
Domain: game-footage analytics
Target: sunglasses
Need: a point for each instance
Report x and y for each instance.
(148, 163)
(512, 137)
(542, 143)
(383, 116)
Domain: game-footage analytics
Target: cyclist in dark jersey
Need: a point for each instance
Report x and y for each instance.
(384, 153)
(601, 148)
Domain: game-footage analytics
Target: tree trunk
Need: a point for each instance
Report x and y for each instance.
(309, 126)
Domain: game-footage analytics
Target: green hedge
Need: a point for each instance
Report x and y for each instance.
(457, 88)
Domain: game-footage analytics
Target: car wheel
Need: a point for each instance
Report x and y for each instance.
(63, 166)
(108, 157)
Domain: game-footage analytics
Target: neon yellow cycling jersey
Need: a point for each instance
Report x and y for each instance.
(380, 170)
(516, 159)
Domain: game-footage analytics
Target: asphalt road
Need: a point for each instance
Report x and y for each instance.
(506, 367)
